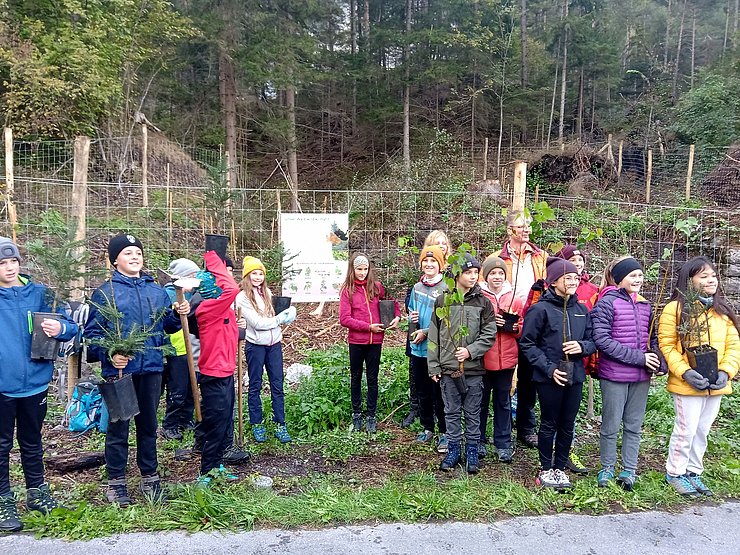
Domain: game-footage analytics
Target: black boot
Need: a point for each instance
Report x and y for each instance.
(9, 520)
(452, 459)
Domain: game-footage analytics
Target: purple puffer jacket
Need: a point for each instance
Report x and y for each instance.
(620, 332)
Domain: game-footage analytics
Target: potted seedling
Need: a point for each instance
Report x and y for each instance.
(693, 326)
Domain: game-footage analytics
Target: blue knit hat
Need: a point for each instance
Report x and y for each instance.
(208, 288)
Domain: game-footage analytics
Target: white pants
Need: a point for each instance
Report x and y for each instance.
(694, 417)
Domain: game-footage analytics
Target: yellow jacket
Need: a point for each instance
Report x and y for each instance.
(724, 338)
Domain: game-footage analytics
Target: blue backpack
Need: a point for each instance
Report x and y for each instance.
(86, 410)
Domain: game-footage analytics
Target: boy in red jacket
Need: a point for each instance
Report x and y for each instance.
(218, 344)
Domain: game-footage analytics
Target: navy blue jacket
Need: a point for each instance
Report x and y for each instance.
(139, 300)
(18, 373)
(542, 336)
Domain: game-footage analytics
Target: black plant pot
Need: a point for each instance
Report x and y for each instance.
(703, 359)
(387, 312)
(120, 398)
(658, 354)
(217, 243)
(43, 347)
(568, 367)
(281, 303)
(510, 320)
(413, 326)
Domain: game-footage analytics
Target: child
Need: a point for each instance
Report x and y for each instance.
(586, 290)
(359, 311)
(218, 344)
(264, 349)
(500, 360)
(421, 305)
(462, 392)
(439, 238)
(628, 357)
(23, 384)
(140, 300)
(178, 414)
(557, 329)
(695, 399)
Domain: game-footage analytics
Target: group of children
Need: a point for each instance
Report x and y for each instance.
(464, 350)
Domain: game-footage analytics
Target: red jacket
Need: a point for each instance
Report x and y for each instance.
(505, 352)
(217, 323)
(586, 291)
(357, 312)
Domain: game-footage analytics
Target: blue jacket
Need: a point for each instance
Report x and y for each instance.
(18, 373)
(139, 300)
(422, 298)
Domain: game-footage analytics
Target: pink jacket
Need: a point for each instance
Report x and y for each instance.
(505, 352)
(357, 312)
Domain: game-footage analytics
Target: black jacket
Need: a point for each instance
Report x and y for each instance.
(542, 335)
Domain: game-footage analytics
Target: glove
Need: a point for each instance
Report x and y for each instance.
(696, 380)
(722, 379)
(286, 316)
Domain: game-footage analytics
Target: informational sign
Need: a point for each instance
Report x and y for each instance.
(316, 255)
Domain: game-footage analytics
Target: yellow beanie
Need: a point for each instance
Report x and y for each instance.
(436, 252)
(250, 263)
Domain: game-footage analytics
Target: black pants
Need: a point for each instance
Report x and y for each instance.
(526, 397)
(148, 390)
(179, 412)
(367, 356)
(497, 384)
(27, 415)
(217, 427)
(430, 396)
(558, 410)
(413, 389)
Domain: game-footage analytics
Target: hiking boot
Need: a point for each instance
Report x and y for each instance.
(528, 440)
(117, 492)
(561, 478)
(151, 489)
(472, 465)
(574, 464)
(604, 476)
(627, 479)
(40, 499)
(189, 425)
(410, 419)
(371, 425)
(424, 437)
(281, 433)
(259, 433)
(547, 479)
(482, 451)
(234, 455)
(9, 519)
(452, 459)
(682, 485)
(357, 422)
(505, 455)
(442, 444)
(699, 486)
(170, 433)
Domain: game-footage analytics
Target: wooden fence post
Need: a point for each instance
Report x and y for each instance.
(10, 182)
(619, 162)
(649, 175)
(609, 151)
(485, 158)
(520, 186)
(144, 165)
(690, 171)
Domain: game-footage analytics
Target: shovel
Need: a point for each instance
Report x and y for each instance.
(240, 387)
(120, 397)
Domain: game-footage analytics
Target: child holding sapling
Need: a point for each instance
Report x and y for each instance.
(628, 355)
(24, 383)
(697, 322)
(501, 359)
(140, 303)
(462, 329)
(264, 350)
(359, 312)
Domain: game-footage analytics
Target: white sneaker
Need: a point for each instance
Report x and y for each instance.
(562, 478)
(547, 479)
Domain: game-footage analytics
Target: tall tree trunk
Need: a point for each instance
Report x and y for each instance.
(693, 45)
(737, 18)
(593, 105)
(524, 69)
(667, 35)
(227, 90)
(564, 73)
(292, 146)
(366, 24)
(674, 86)
(727, 29)
(554, 94)
(407, 95)
(354, 25)
(579, 127)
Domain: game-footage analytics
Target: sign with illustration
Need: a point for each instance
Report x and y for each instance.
(316, 252)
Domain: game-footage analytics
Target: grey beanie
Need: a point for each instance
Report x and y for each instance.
(8, 249)
(182, 267)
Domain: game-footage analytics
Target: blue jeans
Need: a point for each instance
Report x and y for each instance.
(271, 359)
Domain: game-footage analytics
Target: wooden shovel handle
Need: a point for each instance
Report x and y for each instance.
(240, 387)
(189, 350)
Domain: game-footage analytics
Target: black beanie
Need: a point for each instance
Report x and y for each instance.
(120, 242)
(624, 268)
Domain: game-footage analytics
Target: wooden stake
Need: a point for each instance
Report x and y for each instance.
(144, 165)
(189, 352)
(9, 181)
(649, 175)
(485, 158)
(520, 186)
(609, 151)
(690, 171)
(169, 198)
(619, 164)
(240, 387)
